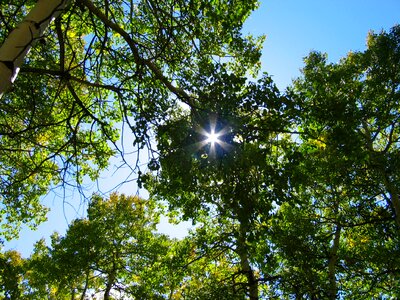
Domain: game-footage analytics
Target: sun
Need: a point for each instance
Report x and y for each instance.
(212, 137)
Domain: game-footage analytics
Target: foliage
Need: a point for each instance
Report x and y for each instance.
(11, 269)
(238, 180)
(99, 63)
(348, 118)
(298, 197)
(114, 251)
(299, 185)
(106, 251)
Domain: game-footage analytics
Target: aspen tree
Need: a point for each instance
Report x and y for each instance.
(23, 38)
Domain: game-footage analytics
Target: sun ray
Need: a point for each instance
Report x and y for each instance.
(212, 137)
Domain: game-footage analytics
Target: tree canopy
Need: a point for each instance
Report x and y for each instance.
(303, 184)
(293, 194)
(99, 63)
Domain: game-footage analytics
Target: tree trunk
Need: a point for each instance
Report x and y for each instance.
(73, 294)
(394, 197)
(107, 291)
(23, 37)
(378, 165)
(86, 285)
(391, 189)
(332, 264)
(109, 285)
(252, 281)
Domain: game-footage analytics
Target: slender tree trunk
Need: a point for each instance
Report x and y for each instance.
(252, 281)
(73, 294)
(391, 189)
(394, 197)
(107, 291)
(23, 37)
(396, 204)
(86, 285)
(332, 264)
(109, 285)
(378, 166)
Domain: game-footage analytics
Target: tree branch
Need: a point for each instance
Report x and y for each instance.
(180, 93)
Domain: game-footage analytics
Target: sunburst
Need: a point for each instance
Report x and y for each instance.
(213, 138)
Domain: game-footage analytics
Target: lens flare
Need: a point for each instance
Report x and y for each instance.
(212, 137)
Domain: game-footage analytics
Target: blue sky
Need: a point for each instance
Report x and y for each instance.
(293, 28)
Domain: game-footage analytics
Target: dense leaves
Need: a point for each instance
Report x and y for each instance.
(114, 251)
(238, 179)
(99, 63)
(302, 186)
(292, 195)
(348, 114)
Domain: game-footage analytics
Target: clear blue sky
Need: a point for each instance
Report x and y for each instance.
(293, 29)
